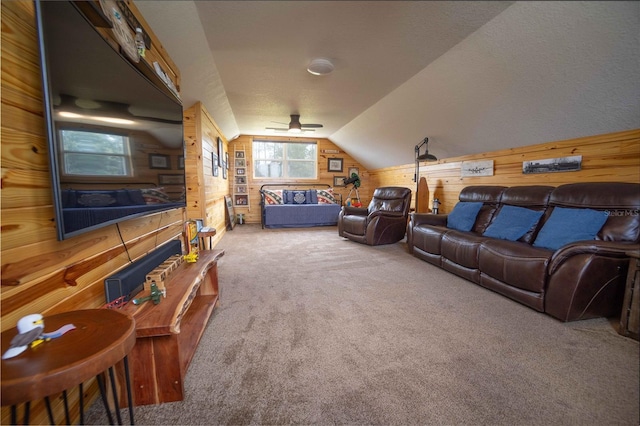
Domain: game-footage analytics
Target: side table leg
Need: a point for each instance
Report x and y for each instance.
(114, 391)
(81, 401)
(66, 407)
(129, 395)
(104, 397)
(47, 403)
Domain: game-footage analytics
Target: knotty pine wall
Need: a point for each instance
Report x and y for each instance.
(605, 158)
(39, 273)
(252, 212)
(205, 192)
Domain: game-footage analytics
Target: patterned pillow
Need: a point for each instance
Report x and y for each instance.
(325, 196)
(96, 200)
(155, 196)
(273, 196)
(295, 196)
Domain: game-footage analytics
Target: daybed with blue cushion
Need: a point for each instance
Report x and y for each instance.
(560, 250)
(85, 208)
(298, 205)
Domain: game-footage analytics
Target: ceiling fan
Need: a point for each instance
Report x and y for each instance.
(295, 126)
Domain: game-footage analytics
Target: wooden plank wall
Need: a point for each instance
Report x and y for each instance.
(39, 273)
(605, 158)
(205, 192)
(252, 212)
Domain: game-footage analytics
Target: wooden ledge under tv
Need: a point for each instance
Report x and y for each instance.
(167, 334)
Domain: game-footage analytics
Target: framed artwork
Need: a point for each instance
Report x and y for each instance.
(353, 170)
(241, 180)
(334, 164)
(159, 161)
(239, 154)
(553, 165)
(171, 179)
(224, 171)
(220, 152)
(214, 164)
(180, 162)
(242, 189)
(226, 160)
(339, 180)
(476, 168)
(240, 171)
(240, 162)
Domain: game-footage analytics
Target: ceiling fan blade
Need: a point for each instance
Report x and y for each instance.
(280, 122)
(317, 126)
(277, 128)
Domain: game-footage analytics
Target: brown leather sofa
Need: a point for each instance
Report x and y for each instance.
(579, 280)
(384, 221)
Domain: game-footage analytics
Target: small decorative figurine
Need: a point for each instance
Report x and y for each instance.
(30, 333)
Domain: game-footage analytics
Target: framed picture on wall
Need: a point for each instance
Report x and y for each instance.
(224, 171)
(159, 161)
(339, 180)
(214, 164)
(171, 179)
(240, 171)
(226, 160)
(180, 162)
(334, 164)
(353, 170)
(241, 180)
(239, 154)
(240, 162)
(220, 152)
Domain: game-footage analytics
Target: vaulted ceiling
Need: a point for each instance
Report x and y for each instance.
(472, 76)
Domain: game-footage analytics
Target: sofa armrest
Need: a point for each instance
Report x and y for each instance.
(428, 219)
(610, 249)
(358, 211)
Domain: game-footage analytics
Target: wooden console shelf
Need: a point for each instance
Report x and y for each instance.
(167, 334)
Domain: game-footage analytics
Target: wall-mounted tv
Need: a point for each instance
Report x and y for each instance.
(115, 138)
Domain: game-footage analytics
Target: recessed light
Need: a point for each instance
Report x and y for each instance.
(320, 66)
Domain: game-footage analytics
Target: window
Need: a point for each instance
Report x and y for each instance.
(86, 153)
(285, 160)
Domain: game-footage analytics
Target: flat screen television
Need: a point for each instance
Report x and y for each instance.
(115, 137)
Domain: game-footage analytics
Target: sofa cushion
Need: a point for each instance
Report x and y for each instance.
(512, 223)
(565, 226)
(312, 196)
(463, 215)
(272, 196)
(326, 196)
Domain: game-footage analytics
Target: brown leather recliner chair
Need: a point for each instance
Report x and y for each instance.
(383, 222)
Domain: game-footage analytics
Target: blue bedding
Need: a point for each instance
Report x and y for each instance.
(300, 215)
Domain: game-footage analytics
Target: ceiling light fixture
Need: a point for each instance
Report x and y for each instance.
(320, 66)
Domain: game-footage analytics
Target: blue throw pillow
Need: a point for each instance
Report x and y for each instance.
(295, 196)
(565, 226)
(512, 223)
(463, 215)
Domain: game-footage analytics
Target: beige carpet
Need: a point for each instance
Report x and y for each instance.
(315, 329)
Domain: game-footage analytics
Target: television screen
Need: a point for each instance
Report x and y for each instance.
(115, 138)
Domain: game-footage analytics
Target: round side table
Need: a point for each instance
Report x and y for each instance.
(101, 339)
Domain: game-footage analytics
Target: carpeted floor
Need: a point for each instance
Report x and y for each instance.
(315, 329)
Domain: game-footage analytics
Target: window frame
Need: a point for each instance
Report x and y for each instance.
(128, 156)
(285, 160)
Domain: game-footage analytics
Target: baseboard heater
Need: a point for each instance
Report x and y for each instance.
(130, 281)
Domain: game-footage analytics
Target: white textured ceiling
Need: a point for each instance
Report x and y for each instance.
(471, 76)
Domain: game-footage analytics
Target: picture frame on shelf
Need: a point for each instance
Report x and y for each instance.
(214, 165)
(241, 171)
(241, 189)
(241, 200)
(240, 162)
(239, 154)
(159, 161)
(177, 179)
(241, 180)
(339, 181)
(335, 164)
